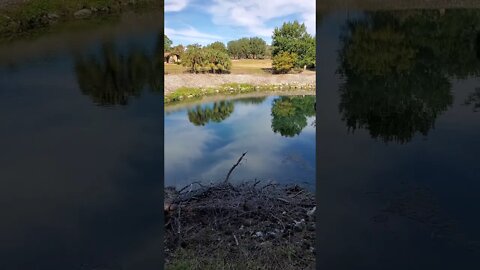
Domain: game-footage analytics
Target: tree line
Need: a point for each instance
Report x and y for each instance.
(248, 48)
(292, 48)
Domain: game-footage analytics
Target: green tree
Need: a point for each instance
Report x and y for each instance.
(257, 47)
(253, 47)
(219, 46)
(217, 61)
(284, 62)
(244, 46)
(292, 37)
(268, 51)
(179, 49)
(167, 43)
(289, 114)
(233, 48)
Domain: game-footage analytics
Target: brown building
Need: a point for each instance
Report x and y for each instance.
(171, 58)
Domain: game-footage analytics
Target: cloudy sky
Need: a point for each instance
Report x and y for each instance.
(206, 21)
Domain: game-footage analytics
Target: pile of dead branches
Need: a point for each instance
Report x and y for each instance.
(249, 220)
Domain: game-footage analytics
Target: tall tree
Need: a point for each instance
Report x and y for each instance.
(257, 48)
(292, 37)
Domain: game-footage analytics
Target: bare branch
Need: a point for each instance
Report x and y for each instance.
(233, 168)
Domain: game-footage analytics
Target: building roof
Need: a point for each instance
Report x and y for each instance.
(165, 54)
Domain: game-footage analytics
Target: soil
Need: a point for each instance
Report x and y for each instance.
(175, 81)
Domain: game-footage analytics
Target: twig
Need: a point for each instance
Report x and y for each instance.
(179, 228)
(236, 241)
(300, 192)
(283, 200)
(234, 166)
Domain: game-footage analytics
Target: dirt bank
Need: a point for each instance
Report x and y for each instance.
(175, 81)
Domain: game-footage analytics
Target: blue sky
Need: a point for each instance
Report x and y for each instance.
(206, 21)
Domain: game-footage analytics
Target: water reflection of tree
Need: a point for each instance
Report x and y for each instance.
(220, 111)
(251, 100)
(112, 77)
(397, 68)
(289, 114)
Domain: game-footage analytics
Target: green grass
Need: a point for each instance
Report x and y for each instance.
(192, 93)
(251, 66)
(174, 69)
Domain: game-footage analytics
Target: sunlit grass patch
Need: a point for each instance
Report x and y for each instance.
(192, 93)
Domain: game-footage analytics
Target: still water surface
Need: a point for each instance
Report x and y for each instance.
(202, 142)
(82, 152)
(399, 130)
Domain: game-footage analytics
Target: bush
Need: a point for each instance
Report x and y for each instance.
(283, 62)
(201, 60)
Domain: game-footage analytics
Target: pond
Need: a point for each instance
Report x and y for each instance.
(399, 128)
(203, 141)
(82, 151)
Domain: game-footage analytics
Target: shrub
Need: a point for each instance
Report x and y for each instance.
(200, 60)
(283, 62)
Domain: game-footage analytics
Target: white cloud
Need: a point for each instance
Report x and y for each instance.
(254, 14)
(191, 35)
(175, 5)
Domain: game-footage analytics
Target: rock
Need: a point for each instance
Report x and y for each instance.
(259, 234)
(82, 13)
(53, 16)
(299, 225)
(271, 235)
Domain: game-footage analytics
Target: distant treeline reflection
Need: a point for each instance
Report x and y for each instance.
(398, 66)
(111, 77)
(289, 114)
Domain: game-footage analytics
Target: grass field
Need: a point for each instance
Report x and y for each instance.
(243, 66)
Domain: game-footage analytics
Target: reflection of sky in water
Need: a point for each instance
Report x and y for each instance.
(207, 152)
